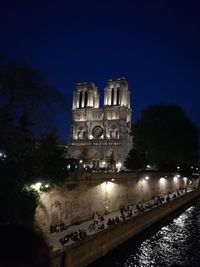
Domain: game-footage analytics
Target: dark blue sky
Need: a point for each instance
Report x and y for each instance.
(154, 44)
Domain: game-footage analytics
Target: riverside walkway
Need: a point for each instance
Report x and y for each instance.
(53, 239)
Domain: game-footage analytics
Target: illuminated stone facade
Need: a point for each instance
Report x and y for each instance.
(100, 136)
(85, 193)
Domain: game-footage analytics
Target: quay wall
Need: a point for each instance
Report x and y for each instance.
(93, 247)
(83, 194)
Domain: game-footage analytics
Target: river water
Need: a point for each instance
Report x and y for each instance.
(173, 242)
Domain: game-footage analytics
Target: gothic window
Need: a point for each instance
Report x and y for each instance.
(118, 96)
(117, 134)
(112, 96)
(86, 99)
(84, 135)
(80, 99)
(111, 134)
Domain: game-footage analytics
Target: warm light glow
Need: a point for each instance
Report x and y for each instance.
(147, 178)
(80, 161)
(108, 186)
(118, 165)
(112, 180)
(175, 179)
(185, 180)
(162, 180)
(36, 186)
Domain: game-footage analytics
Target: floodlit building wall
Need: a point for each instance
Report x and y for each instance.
(83, 194)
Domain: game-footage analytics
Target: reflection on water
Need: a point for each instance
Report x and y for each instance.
(175, 244)
(168, 246)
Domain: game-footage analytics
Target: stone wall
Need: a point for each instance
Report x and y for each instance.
(93, 247)
(83, 194)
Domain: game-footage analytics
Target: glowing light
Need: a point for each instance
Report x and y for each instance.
(112, 180)
(36, 186)
(185, 180)
(108, 186)
(147, 178)
(46, 185)
(176, 178)
(2, 155)
(90, 136)
(68, 166)
(178, 167)
(118, 165)
(162, 180)
(148, 166)
(80, 161)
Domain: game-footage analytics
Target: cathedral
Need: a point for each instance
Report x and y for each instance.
(100, 137)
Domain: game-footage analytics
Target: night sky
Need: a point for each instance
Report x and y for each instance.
(154, 44)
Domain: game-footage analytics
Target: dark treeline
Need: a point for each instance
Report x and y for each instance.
(25, 159)
(164, 137)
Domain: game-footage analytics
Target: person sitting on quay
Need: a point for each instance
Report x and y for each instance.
(137, 209)
(174, 196)
(130, 213)
(59, 227)
(148, 206)
(113, 221)
(102, 218)
(74, 236)
(109, 222)
(101, 225)
(117, 220)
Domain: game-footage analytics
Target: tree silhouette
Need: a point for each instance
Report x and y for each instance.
(166, 137)
(24, 92)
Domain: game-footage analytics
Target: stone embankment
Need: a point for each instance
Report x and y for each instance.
(92, 247)
(83, 194)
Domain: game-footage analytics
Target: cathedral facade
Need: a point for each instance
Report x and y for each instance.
(100, 137)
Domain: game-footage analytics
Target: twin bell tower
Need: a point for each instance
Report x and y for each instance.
(100, 136)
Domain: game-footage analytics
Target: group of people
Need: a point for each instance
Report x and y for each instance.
(100, 222)
(74, 236)
(156, 201)
(113, 221)
(58, 227)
